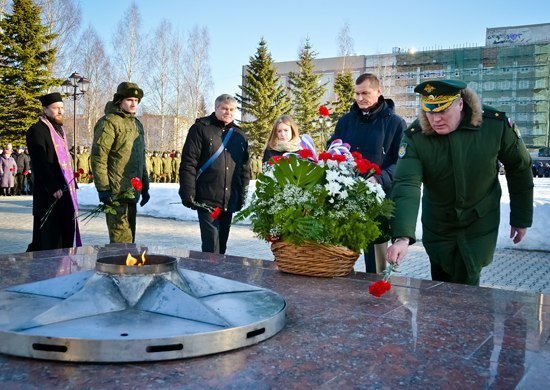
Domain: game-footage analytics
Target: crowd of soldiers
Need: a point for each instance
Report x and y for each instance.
(163, 167)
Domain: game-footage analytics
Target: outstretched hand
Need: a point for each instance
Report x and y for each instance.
(397, 252)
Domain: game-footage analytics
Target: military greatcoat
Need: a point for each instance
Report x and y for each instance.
(461, 191)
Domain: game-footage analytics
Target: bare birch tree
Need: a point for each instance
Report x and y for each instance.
(95, 65)
(345, 45)
(178, 86)
(62, 18)
(158, 73)
(198, 79)
(127, 45)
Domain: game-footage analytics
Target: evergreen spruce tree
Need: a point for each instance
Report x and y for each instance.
(307, 92)
(344, 87)
(24, 65)
(263, 98)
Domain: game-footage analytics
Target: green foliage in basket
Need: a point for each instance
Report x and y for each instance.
(328, 201)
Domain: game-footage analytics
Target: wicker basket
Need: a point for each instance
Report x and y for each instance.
(313, 259)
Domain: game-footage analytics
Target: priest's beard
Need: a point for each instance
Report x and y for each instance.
(54, 121)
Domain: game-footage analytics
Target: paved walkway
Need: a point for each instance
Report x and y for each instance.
(511, 269)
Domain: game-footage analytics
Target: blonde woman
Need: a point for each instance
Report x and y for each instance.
(284, 138)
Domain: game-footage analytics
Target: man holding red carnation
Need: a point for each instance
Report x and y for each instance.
(215, 172)
(373, 129)
(118, 162)
(54, 203)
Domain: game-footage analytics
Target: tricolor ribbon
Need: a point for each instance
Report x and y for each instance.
(339, 147)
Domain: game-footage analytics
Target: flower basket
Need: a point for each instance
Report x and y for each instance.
(313, 259)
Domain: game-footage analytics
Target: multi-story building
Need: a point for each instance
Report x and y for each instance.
(511, 73)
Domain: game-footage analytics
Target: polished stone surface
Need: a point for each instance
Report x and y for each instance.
(421, 334)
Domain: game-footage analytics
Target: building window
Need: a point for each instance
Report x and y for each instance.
(489, 85)
(505, 84)
(523, 84)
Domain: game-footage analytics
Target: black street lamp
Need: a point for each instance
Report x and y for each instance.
(71, 87)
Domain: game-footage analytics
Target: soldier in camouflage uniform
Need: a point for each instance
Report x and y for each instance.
(156, 167)
(118, 155)
(167, 168)
(453, 150)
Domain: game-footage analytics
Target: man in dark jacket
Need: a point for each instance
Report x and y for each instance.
(373, 129)
(118, 156)
(453, 150)
(215, 172)
(23, 168)
(54, 185)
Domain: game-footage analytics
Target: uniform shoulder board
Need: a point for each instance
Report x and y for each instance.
(490, 112)
(413, 129)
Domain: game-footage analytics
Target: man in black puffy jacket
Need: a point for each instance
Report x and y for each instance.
(215, 172)
(373, 129)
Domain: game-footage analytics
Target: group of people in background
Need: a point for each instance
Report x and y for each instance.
(15, 171)
(452, 151)
(541, 169)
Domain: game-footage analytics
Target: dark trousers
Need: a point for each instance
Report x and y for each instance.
(58, 230)
(214, 232)
(460, 274)
(370, 259)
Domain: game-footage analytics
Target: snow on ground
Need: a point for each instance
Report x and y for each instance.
(165, 203)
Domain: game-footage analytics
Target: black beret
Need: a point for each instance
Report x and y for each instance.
(50, 98)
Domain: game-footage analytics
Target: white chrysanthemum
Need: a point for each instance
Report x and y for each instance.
(343, 194)
(347, 180)
(333, 175)
(332, 187)
(376, 189)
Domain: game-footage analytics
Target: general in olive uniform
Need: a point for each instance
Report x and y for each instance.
(453, 150)
(118, 155)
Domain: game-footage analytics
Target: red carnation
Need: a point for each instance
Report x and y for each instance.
(325, 156)
(323, 111)
(215, 213)
(81, 171)
(362, 165)
(356, 155)
(379, 288)
(136, 183)
(305, 153)
(376, 169)
(275, 160)
(338, 157)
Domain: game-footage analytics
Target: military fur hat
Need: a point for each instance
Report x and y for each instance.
(127, 90)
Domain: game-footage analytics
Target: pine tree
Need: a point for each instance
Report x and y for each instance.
(263, 98)
(344, 87)
(24, 65)
(307, 91)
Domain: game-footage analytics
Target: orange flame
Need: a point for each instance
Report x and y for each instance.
(131, 260)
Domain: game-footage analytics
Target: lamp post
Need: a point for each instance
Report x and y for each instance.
(76, 86)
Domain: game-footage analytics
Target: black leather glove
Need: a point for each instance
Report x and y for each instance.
(144, 198)
(105, 197)
(189, 202)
